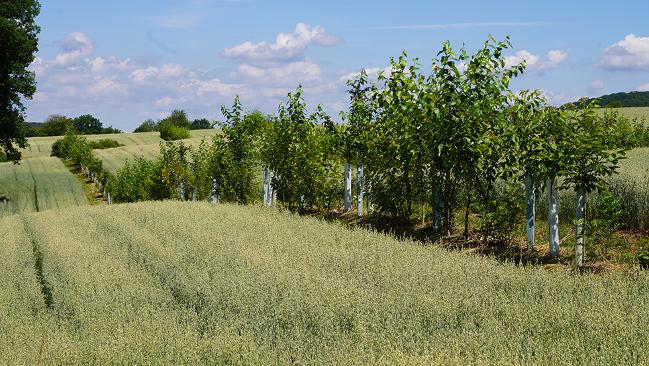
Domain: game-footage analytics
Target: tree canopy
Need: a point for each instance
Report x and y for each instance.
(19, 43)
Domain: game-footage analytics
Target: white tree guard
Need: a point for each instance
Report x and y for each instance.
(530, 210)
(553, 217)
(347, 180)
(359, 196)
(580, 215)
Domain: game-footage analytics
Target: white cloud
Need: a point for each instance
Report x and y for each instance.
(372, 73)
(105, 87)
(631, 53)
(287, 46)
(534, 62)
(595, 86)
(292, 73)
(165, 72)
(75, 46)
(643, 87)
(216, 86)
(164, 102)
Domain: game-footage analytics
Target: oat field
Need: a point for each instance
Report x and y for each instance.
(42, 146)
(113, 159)
(38, 184)
(189, 283)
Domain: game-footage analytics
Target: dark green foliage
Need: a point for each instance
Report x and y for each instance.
(171, 132)
(77, 150)
(104, 144)
(18, 44)
(642, 254)
(590, 152)
(201, 124)
(3, 157)
(177, 118)
(174, 127)
(616, 100)
(56, 125)
(235, 152)
(140, 180)
(87, 125)
(296, 148)
(147, 126)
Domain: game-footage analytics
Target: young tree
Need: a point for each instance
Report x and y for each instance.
(591, 157)
(526, 116)
(18, 43)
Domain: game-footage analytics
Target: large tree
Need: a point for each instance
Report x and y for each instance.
(18, 44)
(88, 124)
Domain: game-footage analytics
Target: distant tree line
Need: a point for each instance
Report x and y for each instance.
(58, 125)
(178, 118)
(618, 100)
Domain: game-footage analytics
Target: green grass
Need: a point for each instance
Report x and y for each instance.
(42, 146)
(191, 283)
(38, 184)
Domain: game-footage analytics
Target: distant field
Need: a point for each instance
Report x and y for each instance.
(38, 184)
(42, 146)
(113, 159)
(192, 283)
(640, 113)
(636, 164)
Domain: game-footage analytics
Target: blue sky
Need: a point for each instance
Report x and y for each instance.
(126, 61)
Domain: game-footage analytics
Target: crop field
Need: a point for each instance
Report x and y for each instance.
(639, 113)
(113, 159)
(185, 283)
(38, 184)
(42, 146)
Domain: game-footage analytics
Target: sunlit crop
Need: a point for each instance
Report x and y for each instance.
(186, 283)
(36, 185)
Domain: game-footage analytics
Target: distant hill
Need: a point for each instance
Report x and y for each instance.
(630, 99)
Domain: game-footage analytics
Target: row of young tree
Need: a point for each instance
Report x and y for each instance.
(454, 138)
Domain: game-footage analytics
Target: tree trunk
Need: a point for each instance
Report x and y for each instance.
(347, 177)
(359, 178)
(530, 210)
(553, 217)
(580, 216)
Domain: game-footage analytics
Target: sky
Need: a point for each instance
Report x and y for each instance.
(128, 61)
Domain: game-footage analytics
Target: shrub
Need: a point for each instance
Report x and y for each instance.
(140, 180)
(170, 132)
(103, 144)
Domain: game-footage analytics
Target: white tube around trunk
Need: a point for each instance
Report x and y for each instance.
(267, 197)
(580, 215)
(347, 178)
(530, 210)
(553, 217)
(359, 177)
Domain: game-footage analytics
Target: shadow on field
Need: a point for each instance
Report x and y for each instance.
(514, 251)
